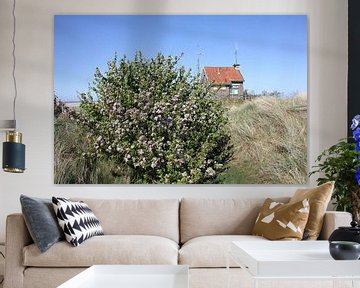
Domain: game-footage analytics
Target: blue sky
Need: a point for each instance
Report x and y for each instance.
(272, 49)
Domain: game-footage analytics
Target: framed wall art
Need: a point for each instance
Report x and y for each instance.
(180, 99)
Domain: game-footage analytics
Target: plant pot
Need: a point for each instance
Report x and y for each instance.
(344, 233)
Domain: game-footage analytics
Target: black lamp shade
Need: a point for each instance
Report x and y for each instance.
(13, 157)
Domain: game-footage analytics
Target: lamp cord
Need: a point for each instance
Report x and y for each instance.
(14, 61)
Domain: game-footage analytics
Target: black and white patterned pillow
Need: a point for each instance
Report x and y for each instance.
(77, 220)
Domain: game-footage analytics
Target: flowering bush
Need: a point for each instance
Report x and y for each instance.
(157, 120)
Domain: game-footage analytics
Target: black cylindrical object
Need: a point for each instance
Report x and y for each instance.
(13, 153)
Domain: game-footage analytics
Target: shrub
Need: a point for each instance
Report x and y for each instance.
(156, 119)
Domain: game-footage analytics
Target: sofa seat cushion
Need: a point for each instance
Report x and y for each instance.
(107, 249)
(211, 251)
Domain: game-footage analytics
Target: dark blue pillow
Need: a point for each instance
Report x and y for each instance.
(41, 221)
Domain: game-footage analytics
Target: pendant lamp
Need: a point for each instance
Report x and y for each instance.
(13, 149)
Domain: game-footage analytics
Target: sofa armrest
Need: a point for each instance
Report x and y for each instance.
(333, 220)
(17, 237)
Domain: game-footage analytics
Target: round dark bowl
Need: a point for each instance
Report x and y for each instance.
(344, 250)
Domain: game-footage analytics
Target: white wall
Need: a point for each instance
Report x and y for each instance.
(326, 77)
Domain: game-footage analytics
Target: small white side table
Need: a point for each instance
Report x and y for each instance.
(293, 260)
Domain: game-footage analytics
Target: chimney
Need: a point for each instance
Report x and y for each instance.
(236, 66)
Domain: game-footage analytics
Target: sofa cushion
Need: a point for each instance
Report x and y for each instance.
(279, 221)
(319, 198)
(200, 217)
(107, 249)
(77, 220)
(41, 221)
(158, 217)
(211, 251)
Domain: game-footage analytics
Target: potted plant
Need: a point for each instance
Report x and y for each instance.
(341, 163)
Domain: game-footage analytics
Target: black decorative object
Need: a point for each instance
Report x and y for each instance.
(345, 233)
(344, 250)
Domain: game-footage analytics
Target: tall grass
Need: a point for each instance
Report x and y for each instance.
(269, 137)
(70, 164)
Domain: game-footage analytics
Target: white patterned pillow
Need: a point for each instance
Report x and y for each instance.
(77, 220)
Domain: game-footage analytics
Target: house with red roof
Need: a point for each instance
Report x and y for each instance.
(225, 81)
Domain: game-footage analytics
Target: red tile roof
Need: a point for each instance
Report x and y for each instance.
(222, 75)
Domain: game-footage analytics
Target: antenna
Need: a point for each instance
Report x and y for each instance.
(236, 64)
(199, 54)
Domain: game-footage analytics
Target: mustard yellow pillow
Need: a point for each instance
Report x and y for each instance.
(279, 221)
(319, 198)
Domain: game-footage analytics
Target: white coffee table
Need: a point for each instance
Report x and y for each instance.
(296, 260)
(131, 276)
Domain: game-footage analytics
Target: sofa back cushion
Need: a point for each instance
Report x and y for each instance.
(158, 217)
(200, 217)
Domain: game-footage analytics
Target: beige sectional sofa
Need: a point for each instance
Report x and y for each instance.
(194, 232)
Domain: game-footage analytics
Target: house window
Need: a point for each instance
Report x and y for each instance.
(234, 89)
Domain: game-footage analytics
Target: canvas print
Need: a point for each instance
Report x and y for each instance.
(180, 99)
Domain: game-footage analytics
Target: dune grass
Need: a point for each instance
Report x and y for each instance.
(269, 135)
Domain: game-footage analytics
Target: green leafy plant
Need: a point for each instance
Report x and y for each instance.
(154, 118)
(340, 163)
